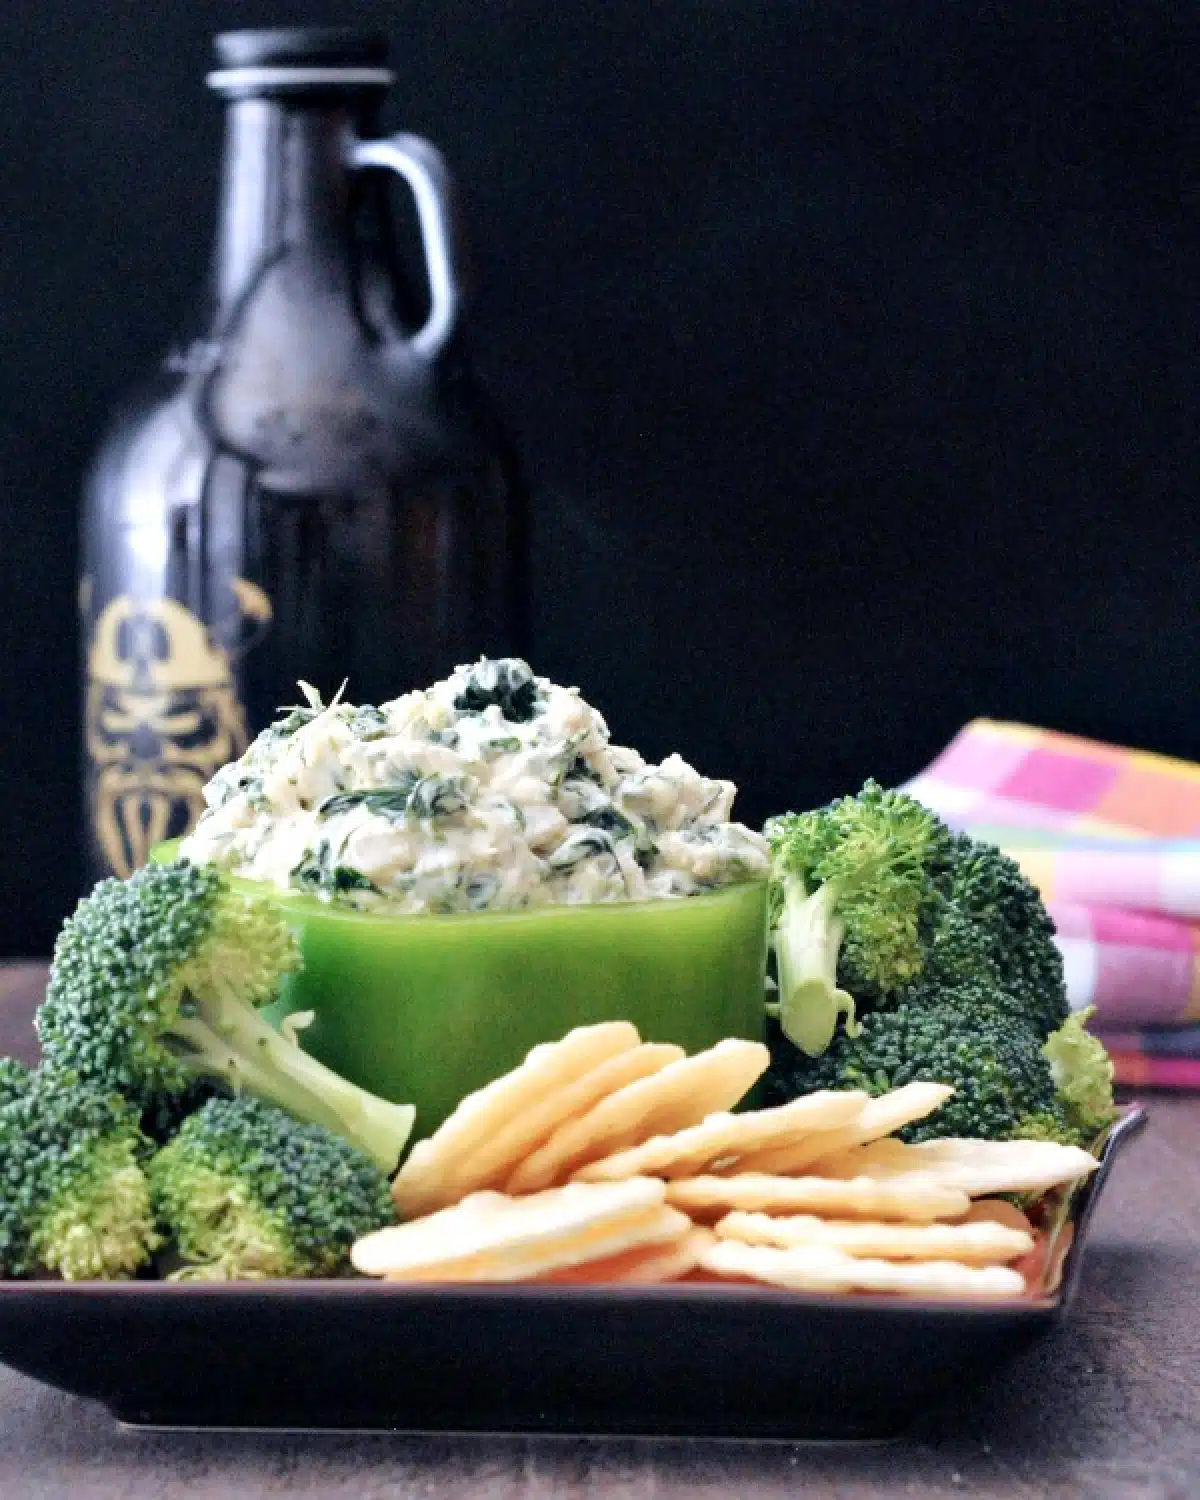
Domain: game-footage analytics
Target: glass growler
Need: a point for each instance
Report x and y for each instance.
(317, 488)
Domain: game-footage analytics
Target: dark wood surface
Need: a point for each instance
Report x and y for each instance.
(1105, 1408)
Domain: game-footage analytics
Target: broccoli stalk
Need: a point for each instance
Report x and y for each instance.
(155, 984)
(223, 1038)
(76, 1202)
(852, 882)
(249, 1192)
(807, 941)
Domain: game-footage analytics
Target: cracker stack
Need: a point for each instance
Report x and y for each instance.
(604, 1158)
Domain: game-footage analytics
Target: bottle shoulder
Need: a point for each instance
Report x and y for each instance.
(372, 418)
(151, 430)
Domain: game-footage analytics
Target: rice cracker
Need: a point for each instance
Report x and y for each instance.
(658, 1263)
(496, 1126)
(879, 1117)
(998, 1211)
(725, 1136)
(496, 1160)
(915, 1196)
(682, 1094)
(979, 1168)
(492, 1237)
(972, 1243)
(814, 1268)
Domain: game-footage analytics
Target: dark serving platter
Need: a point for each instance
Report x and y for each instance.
(691, 1358)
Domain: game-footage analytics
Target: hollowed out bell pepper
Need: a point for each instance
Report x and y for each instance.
(424, 1009)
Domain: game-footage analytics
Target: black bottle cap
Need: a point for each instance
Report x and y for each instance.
(302, 47)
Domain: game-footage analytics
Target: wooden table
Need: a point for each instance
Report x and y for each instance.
(1107, 1408)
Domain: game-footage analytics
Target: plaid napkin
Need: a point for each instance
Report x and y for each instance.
(1111, 838)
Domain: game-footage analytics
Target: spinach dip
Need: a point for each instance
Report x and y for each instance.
(492, 790)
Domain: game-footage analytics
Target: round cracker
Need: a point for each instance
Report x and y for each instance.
(972, 1243)
(984, 1167)
(517, 1232)
(638, 1267)
(678, 1096)
(498, 1157)
(822, 1269)
(424, 1181)
(998, 1211)
(917, 1196)
(652, 1227)
(880, 1117)
(975, 1166)
(724, 1136)
(877, 1159)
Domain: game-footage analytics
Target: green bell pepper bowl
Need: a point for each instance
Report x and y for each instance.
(425, 1009)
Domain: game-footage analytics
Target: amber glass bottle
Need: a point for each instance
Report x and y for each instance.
(317, 488)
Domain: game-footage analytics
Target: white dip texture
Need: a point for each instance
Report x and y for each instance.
(492, 790)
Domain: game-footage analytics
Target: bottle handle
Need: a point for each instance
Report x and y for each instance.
(424, 170)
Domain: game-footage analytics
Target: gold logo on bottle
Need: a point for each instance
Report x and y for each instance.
(162, 716)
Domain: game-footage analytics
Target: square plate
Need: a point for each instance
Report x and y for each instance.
(690, 1358)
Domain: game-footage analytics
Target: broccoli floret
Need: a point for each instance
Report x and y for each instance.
(165, 1113)
(248, 1192)
(875, 901)
(1008, 1084)
(957, 950)
(75, 1200)
(15, 1079)
(984, 1050)
(852, 886)
(1083, 1076)
(155, 984)
(942, 956)
(1007, 919)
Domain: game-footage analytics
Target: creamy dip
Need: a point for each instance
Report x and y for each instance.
(493, 789)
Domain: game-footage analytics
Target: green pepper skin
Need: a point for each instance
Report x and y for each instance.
(424, 1009)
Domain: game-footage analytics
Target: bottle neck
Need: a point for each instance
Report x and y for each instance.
(284, 187)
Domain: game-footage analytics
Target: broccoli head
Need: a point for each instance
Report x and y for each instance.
(875, 902)
(853, 883)
(165, 1113)
(248, 1192)
(15, 1079)
(1003, 1086)
(1001, 917)
(75, 1201)
(155, 985)
(941, 954)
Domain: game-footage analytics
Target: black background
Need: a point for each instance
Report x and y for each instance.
(852, 349)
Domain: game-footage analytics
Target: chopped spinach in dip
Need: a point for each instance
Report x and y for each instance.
(494, 789)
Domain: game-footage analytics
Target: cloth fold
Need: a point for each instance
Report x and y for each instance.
(1111, 838)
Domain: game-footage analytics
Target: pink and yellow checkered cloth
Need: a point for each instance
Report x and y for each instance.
(1111, 837)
